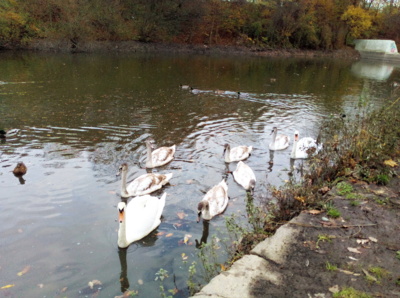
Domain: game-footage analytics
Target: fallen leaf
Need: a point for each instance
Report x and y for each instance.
(40, 286)
(324, 190)
(160, 233)
(334, 289)
(369, 275)
(140, 281)
(169, 235)
(346, 271)
(63, 290)
(353, 259)
(93, 283)
(390, 163)
(181, 215)
(300, 199)
(373, 239)
(24, 271)
(177, 225)
(314, 212)
(223, 268)
(362, 241)
(173, 291)
(355, 250)
(184, 256)
(6, 287)
(186, 238)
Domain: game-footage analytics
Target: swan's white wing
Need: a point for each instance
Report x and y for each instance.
(243, 175)
(240, 152)
(143, 184)
(217, 198)
(281, 142)
(163, 155)
(143, 216)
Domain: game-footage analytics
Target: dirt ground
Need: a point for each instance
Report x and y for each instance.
(361, 247)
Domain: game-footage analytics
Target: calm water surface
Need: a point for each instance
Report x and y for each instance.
(80, 116)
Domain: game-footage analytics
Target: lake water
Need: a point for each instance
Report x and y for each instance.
(80, 116)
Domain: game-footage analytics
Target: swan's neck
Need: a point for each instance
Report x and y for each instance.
(122, 242)
(124, 192)
(206, 214)
(294, 150)
(227, 154)
(149, 163)
(274, 136)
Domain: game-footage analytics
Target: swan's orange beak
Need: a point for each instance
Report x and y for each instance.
(296, 137)
(121, 216)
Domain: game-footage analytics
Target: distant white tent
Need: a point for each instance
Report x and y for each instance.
(376, 45)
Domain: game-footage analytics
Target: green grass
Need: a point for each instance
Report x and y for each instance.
(344, 188)
(379, 272)
(323, 238)
(330, 267)
(333, 212)
(351, 293)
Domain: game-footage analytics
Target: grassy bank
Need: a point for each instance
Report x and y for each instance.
(357, 149)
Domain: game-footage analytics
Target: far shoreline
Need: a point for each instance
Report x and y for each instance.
(70, 46)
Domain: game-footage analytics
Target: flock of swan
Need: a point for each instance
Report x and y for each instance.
(141, 215)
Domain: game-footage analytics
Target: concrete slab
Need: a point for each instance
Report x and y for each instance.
(239, 280)
(276, 247)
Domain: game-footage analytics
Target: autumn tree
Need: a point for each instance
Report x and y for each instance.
(358, 20)
(15, 26)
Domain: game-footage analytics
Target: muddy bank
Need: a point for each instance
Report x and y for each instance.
(72, 46)
(355, 254)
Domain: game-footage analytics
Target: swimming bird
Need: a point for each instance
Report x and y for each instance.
(12, 132)
(304, 146)
(20, 169)
(236, 153)
(139, 218)
(142, 185)
(214, 202)
(159, 156)
(279, 142)
(242, 94)
(244, 175)
(194, 90)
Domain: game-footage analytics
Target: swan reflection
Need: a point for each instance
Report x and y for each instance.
(204, 236)
(123, 277)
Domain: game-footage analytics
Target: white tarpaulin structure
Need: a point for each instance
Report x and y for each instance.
(376, 45)
(378, 49)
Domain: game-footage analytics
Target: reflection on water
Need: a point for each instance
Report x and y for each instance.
(81, 116)
(372, 70)
(123, 277)
(204, 235)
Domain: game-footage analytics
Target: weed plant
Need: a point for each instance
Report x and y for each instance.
(354, 148)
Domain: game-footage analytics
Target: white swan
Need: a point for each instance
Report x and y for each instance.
(236, 153)
(160, 156)
(304, 146)
(139, 218)
(184, 87)
(214, 202)
(279, 142)
(142, 185)
(244, 175)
